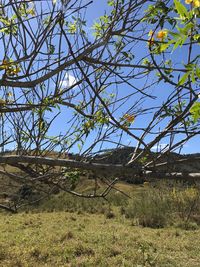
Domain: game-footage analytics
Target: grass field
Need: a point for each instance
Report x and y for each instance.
(69, 231)
(71, 239)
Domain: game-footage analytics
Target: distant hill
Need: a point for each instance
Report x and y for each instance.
(165, 162)
(174, 161)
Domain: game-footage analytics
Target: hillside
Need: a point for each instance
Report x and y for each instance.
(174, 161)
(12, 189)
(159, 225)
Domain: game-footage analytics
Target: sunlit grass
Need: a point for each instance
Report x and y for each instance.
(71, 239)
(68, 231)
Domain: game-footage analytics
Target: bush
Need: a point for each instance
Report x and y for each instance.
(150, 208)
(185, 202)
(155, 207)
(188, 226)
(66, 202)
(116, 198)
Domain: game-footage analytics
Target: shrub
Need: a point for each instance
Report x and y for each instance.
(150, 208)
(188, 226)
(155, 207)
(116, 198)
(66, 202)
(185, 202)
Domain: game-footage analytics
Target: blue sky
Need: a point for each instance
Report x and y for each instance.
(161, 91)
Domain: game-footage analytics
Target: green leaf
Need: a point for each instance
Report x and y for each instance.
(195, 111)
(181, 9)
(72, 27)
(193, 77)
(111, 2)
(184, 78)
(163, 47)
(51, 49)
(186, 29)
(79, 146)
(198, 72)
(196, 37)
(175, 35)
(179, 42)
(125, 54)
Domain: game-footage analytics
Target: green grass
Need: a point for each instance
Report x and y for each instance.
(68, 231)
(71, 239)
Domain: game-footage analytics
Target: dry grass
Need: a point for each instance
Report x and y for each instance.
(74, 232)
(71, 239)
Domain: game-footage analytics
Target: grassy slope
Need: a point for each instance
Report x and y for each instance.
(61, 238)
(71, 239)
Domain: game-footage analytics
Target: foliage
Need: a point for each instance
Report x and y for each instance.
(150, 208)
(72, 177)
(164, 206)
(186, 202)
(155, 207)
(195, 111)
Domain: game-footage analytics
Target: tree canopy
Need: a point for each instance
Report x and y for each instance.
(76, 83)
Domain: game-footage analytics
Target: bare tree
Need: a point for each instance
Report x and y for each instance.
(68, 85)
